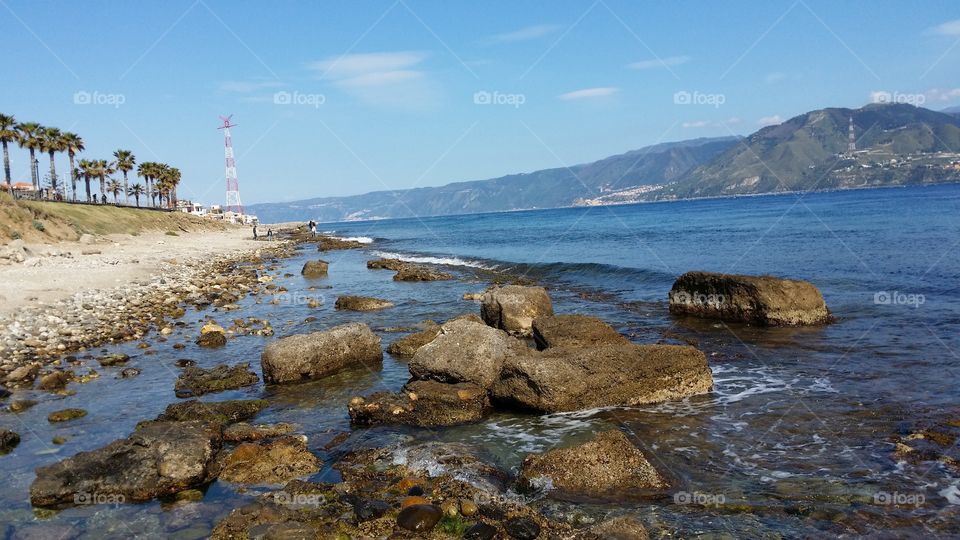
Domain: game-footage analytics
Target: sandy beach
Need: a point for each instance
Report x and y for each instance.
(52, 272)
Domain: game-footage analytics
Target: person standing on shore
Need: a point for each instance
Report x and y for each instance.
(313, 228)
(269, 234)
(254, 231)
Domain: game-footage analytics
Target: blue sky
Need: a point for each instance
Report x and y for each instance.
(349, 97)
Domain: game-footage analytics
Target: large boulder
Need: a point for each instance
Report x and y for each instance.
(159, 459)
(422, 403)
(318, 354)
(269, 463)
(315, 269)
(569, 379)
(607, 466)
(465, 351)
(514, 307)
(761, 300)
(195, 381)
(361, 303)
(408, 345)
(574, 331)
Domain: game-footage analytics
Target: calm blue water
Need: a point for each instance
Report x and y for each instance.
(795, 441)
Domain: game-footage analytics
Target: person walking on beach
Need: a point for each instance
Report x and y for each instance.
(313, 228)
(269, 234)
(254, 231)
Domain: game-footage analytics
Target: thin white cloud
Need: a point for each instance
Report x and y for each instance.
(695, 124)
(391, 79)
(770, 120)
(524, 34)
(949, 28)
(942, 94)
(245, 87)
(587, 93)
(775, 77)
(353, 65)
(655, 63)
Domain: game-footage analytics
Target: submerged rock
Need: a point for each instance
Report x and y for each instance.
(313, 356)
(222, 412)
(621, 528)
(465, 351)
(522, 528)
(761, 300)
(607, 466)
(195, 381)
(269, 463)
(386, 264)
(330, 243)
(8, 440)
(315, 269)
(569, 379)
(65, 415)
(361, 303)
(422, 403)
(108, 360)
(514, 307)
(159, 459)
(55, 381)
(413, 272)
(574, 331)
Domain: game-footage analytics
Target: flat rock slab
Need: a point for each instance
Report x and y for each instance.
(422, 403)
(361, 303)
(569, 379)
(408, 345)
(412, 272)
(159, 459)
(386, 264)
(244, 432)
(220, 412)
(514, 307)
(574, 331)
(760, 300)
(319, 354)
(609, 465)
(195, 381)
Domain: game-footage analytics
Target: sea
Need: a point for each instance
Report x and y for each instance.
(798, 438)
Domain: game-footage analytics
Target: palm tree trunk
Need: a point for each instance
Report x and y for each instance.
(86, 180)
(137, 197)
(33, 170)
(53, 173)
(6, 165)
(103, 185)
(126, 193)
(73, 178)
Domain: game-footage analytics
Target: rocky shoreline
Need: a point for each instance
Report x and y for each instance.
(515, 355)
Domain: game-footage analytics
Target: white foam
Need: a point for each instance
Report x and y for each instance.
(361, 239)
(449, 261)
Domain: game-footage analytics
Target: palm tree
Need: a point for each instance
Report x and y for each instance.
(161, 171)
(51, 142)
(103, 171)
(114, 187)
(73, 144)
(136, 190)
(8, 134)
(147, 170)
(86, 169)
(174, 182)
(124, 162)
(28, 136)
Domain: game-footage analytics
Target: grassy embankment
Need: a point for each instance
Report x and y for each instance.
(45, 222)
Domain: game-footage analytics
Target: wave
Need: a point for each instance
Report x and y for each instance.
(429, 259)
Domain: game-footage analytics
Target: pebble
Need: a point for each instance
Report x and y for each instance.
(480, 531)
(522, 528)
(419, 517)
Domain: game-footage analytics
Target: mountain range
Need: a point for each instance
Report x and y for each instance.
(894, 144)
